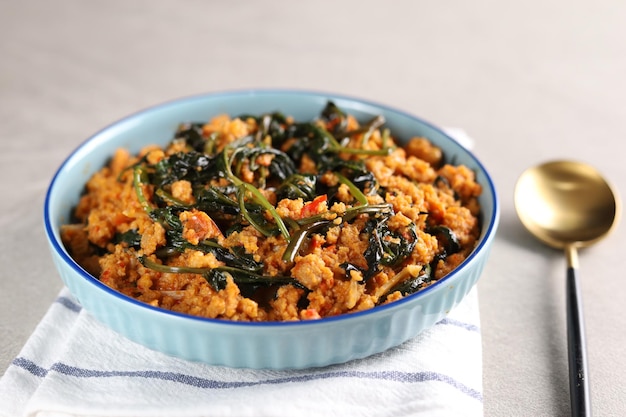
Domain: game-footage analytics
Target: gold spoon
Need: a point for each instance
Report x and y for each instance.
(569, 205)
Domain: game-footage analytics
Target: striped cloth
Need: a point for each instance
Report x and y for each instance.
(74, 366)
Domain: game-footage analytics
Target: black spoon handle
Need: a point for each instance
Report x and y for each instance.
(578, 374)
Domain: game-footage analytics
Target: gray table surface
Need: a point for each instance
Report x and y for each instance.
(529, 81)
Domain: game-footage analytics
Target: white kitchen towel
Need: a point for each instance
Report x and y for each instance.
(74, 366)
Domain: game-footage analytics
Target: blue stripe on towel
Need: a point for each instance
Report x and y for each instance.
(30, 366)
(397, 376)
(69, 304)
(467, 326)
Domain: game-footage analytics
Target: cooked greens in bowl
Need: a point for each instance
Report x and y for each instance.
(271, 218)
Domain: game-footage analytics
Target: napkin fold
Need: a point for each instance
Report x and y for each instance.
(72, 365)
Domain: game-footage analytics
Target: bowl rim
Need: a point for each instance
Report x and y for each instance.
(487, 233)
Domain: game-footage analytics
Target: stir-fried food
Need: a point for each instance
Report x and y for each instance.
(264, 218)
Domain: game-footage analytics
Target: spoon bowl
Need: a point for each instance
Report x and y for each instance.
(565, 203)
(568, 205)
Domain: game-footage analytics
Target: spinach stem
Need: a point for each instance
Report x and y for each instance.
(168, 198)
(361, 198)
(256, 195)
(298, 238)
(241, 193)
(148, 263)
(138, 182)
(368, 129)
(357, 151)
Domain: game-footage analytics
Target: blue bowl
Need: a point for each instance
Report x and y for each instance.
(283, 345)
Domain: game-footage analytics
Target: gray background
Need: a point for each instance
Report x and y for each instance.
(529, 81)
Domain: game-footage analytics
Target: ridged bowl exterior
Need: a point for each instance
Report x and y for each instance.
(258, 345)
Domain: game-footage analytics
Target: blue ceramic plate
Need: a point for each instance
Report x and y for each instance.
(258, 345)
